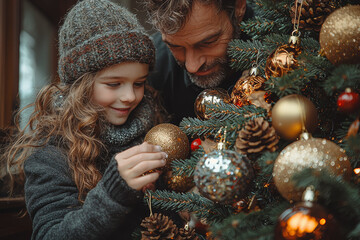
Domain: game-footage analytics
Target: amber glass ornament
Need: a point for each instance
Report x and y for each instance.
(172, 140)
(307, 221)
(292, 114)
(223, 175)
(308, 152)
(340, 35)
(209, 96)
(245, 86)
(178, 183)
(283, 59)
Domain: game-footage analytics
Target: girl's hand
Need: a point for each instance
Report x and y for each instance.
(135, 161)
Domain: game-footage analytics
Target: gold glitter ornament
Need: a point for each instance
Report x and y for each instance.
(245, 86)
(309, 152)
(172, 140)
(293, 114)
(283, 59)
(178, 183)
(340, 35)
(223, 176)
(209, 96)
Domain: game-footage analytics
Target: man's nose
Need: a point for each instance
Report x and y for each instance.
(193, 60)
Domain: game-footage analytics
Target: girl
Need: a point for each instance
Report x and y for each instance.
(82, 153)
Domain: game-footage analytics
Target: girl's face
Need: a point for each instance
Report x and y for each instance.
(119, 89)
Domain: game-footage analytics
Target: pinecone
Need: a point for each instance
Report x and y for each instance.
(158, 226)
(257, 135)
(187, 233)
(313, 13)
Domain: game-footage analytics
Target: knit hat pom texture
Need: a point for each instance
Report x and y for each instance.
(97, 34)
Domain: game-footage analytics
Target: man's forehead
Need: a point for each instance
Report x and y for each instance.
(203, 22)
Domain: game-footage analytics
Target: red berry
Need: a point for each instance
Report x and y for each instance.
(348, 101)
(195, 144)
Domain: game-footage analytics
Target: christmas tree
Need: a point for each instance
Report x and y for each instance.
(279, 158)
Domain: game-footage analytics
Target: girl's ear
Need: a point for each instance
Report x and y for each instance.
(240, 8)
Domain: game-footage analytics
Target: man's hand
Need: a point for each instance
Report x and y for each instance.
(135, 161)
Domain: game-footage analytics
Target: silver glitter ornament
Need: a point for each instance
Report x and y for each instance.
(308, 152)
(223, 176)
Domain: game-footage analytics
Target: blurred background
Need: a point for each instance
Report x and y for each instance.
(28, 61)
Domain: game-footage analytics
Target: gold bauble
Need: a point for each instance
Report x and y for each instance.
(340, 35)
(282, 60)
(291, 114)
(309, 152)
(172, 140)
(178, 183)
(209, 96)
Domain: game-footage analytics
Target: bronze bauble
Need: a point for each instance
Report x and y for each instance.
(309, 152)
(172, 140)
(209, 96)
(307, 220)
(178, 183)
(244, 87)
(340, 35)
(282, 60)
(291, 114)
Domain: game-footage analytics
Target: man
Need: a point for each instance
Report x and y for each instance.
(192, 49)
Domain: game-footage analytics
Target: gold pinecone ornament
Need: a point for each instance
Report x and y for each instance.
(313, 13)
(256, 136)
(158, 226)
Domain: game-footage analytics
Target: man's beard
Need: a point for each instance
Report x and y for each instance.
(213, 79)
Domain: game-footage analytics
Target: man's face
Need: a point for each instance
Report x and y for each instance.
(200, 45)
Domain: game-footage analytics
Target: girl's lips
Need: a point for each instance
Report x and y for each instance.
(121, 110)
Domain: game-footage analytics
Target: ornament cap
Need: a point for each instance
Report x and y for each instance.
(305, 136)
(309, 194)
(221, 146)
(253, 71)
(294, 40)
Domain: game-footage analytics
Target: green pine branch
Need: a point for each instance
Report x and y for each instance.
(342, 77)
(190, 202)
(257, 223)
(186, 167)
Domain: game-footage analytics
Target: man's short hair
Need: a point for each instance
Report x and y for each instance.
(168, 16)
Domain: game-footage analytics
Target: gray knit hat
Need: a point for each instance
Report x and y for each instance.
(97, 34)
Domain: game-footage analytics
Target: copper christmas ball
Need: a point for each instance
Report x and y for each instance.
(178, 183)
(307, 220)
(209, 96)
(172, 140)
(282, 60)
(308, 152)
(244, 87)
(292, 114)
(223, 176)
(340, 35)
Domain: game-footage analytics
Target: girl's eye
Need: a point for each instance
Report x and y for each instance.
(139, 84)
(112, 84)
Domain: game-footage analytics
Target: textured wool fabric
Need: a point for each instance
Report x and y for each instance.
(97, 34)
(112, 210)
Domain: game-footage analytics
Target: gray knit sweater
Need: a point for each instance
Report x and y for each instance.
(112, 210)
